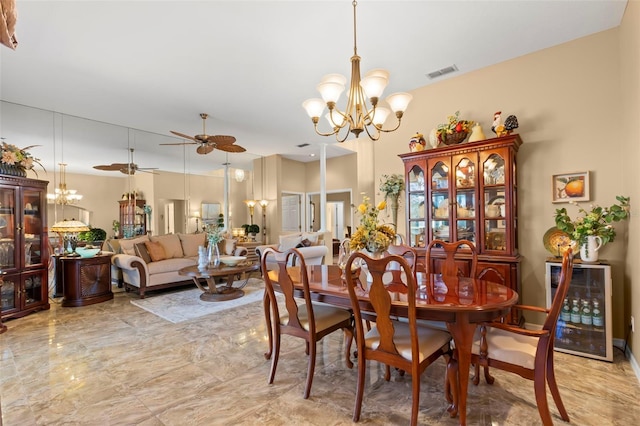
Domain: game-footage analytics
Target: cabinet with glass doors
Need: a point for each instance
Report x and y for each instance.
(24, 253)
(467, 192)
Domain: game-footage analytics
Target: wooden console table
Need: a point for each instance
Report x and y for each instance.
(85, 281)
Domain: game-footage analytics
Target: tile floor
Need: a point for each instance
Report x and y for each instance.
(115, 364)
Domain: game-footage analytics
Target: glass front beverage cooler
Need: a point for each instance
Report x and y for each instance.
(584, 325)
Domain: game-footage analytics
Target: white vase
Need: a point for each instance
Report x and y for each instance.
(589, 250)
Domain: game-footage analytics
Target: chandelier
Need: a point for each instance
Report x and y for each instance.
(357, 115)
(62, 195)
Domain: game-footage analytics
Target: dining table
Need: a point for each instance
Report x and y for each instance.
(459, 302)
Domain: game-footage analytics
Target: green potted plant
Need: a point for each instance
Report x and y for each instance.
(94, 236)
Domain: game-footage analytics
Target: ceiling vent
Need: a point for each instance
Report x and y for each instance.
(443, 71)
(302, 145)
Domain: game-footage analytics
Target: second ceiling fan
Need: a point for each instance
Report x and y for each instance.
(209, 142)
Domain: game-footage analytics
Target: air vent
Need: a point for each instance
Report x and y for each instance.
(302, 145)
(443, 71)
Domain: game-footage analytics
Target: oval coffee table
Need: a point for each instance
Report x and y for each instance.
(221, 292)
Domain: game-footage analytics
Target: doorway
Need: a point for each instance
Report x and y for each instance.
(339, 213)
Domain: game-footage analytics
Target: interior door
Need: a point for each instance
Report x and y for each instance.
(291, 213)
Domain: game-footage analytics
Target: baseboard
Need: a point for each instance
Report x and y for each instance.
(621, 344)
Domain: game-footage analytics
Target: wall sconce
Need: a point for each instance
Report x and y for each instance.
(251, 204)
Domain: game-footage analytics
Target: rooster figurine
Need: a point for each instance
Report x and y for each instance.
(510, 124)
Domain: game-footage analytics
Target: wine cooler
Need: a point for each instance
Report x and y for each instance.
(584, 325)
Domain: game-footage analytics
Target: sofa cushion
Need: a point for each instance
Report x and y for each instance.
(289, 243)
(304, 243)
(142, 252)
(156, 250)
(191, 242)
(171, 245)
(113, 245)
(168, 266)
(127, 245)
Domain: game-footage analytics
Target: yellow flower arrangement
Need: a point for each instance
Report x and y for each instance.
(371, 235)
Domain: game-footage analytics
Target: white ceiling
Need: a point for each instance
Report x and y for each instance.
(153, 66)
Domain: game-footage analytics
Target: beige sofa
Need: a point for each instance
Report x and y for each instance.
(154, 266)
(310, 244)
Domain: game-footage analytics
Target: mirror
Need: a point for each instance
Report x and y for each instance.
(210, 211)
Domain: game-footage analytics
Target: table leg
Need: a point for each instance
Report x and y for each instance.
(462, 331)
(266, 302)
(213, 294)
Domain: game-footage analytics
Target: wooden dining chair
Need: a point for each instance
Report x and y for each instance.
(528, 353)
(450, 265)
(309, 321)
(405, 346)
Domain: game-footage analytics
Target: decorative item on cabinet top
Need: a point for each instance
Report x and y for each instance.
(417, 143)
(454, 131)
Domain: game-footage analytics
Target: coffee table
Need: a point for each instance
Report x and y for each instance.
(219, 292)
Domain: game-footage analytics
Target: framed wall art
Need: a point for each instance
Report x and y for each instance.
(570, 187)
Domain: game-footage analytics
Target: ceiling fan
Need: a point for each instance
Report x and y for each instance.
(127, 168)
(209, 142)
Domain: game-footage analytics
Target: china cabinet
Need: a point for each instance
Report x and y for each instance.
(133, 220)
(584, 326)
(467, 191)
(23, 246)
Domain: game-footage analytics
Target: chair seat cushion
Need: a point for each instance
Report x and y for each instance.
(429, 340)
(326, 316)
(508, 347)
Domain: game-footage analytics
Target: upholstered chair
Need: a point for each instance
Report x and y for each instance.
(528, 353)
(309, 321)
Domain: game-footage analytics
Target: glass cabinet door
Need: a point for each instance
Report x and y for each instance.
(32, 226)
(9, 295)
(441, 205)
(494, 203)
(33, 289)
(465, 200)
(7, 228)
(416, 207)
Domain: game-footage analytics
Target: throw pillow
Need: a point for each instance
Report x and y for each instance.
(127, 245)
(313, 237)
(289, 243)
(191, 242)
(228, 246)
(171, 245)
(304, 243)
(156, 251)
(142, 252)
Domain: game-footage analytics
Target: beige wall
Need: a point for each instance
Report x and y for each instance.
(629, 114)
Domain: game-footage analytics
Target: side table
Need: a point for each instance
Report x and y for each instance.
(85, 281)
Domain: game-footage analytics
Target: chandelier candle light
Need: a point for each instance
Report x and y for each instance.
(357, 116)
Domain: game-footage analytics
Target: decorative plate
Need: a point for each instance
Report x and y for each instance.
(557, 242)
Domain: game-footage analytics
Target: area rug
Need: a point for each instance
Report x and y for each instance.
(185, 305)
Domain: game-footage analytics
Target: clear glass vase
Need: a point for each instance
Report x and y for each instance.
(213, 255)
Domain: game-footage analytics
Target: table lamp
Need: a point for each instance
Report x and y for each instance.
(68, 231)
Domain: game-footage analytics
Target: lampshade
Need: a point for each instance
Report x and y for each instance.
(264, 203)
(69, 226)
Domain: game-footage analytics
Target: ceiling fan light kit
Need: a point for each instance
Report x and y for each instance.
(357, 116)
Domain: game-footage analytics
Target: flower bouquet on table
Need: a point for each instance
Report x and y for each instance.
(370, 235)
(454, 131)
(593, 223)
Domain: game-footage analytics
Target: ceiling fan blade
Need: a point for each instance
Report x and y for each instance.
(204, 149)
(111, 167)
(180, 143)
(221, 139)
(182, 135)
(142, 169)
(127, 171)
(231, 148)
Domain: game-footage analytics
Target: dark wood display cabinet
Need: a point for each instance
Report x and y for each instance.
(24, 253)
(467, 191)
(85, 281)
(133, 220)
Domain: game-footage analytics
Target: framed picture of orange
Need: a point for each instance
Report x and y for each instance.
(569, 187)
